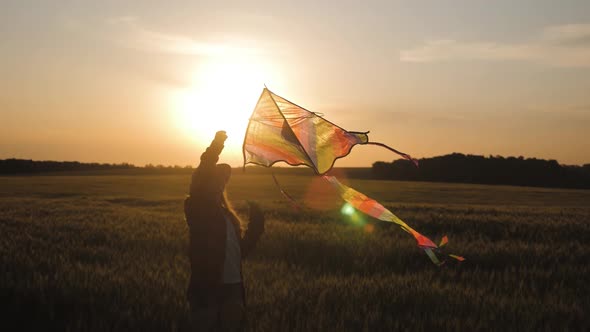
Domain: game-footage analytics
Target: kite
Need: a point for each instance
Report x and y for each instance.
(282, 131)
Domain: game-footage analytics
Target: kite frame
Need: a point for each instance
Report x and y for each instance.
(313, 167)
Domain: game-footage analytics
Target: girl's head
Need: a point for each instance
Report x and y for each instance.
(222, 175)
(220, 178)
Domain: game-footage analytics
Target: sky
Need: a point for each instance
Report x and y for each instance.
(150, 82)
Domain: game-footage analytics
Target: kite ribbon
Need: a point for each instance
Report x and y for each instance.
(404, 155)
(374, 209)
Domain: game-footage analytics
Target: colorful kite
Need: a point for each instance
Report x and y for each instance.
(280, 130)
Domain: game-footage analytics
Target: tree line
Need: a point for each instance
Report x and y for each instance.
(457, 167)
(26, 166)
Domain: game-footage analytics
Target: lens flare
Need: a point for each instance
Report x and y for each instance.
(347, 210)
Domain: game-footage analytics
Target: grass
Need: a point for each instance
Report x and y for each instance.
(95, 253)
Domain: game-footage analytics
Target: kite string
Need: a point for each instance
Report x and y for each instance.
(405, 155)
(289, 197)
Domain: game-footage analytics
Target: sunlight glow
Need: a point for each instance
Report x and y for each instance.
(222, 96)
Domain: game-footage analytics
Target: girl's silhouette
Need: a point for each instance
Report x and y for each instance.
(216, 290)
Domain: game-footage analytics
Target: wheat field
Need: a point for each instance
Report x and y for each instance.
(108, 253)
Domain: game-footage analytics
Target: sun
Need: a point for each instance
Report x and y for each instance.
(222, 97)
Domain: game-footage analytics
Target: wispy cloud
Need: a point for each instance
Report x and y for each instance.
(133, 34)
(561, 46)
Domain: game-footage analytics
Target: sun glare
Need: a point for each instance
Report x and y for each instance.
(222, 97)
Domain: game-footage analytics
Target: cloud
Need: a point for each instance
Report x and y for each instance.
(130, 33)
(569, 34)
(579, 112)
(122, 19)
(560, 46)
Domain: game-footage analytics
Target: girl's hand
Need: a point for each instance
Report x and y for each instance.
(256, 216)
(221, 136)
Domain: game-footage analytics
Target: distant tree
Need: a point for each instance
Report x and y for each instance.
(457, 167)
(20, 166)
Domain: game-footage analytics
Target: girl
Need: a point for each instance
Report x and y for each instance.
(216, 290)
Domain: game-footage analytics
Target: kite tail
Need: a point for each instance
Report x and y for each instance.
(374, 209)
(287, 196)
(404, 155)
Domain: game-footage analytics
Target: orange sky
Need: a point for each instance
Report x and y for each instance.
(150, 83)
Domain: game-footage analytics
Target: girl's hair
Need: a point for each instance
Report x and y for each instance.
(225, 203)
